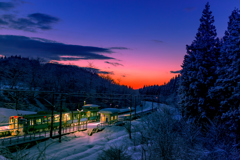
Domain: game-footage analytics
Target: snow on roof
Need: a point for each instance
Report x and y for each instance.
(6, 113)
(90, 105)
(109, 110)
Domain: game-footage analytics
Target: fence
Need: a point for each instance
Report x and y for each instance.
(16, 140)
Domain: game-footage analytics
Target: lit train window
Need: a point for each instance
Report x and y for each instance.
(56, 119)
(111, 118)
(31, 122)
(38, 121)
(115, 117)
(15, 123)
(44, 120)
(49, 119)
(67, 117)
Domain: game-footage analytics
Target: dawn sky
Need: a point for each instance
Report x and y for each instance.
(137, 41)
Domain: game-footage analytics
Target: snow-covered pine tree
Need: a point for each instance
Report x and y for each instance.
(228, 84)
(198, 70)
(227, 68)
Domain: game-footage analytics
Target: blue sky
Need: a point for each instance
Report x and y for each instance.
(138, 41)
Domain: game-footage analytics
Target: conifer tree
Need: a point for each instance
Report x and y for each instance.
(228, 69)
(198, 70)
(227, 86)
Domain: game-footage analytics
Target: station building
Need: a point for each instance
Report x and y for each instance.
(108, 115)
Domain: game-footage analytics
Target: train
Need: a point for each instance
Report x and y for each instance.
(42, 121)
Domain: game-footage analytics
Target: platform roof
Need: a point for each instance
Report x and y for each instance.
(109, 110)
(90, 105)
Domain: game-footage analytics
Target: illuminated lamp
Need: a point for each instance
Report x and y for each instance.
(44, 116)
(11, 117)
(15, 116)
(21, 117)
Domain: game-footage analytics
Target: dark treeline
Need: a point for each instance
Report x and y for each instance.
(167, 93)
(165, 90)
(17, 72)
(208, 88)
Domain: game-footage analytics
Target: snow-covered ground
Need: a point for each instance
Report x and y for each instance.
(81, 146)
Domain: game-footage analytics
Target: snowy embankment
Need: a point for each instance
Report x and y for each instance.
(81, 146)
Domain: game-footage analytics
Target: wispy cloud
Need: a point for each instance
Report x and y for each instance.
(113, 63)
(118, 48)
(50, 50)
(96, 70)
(175, 71)
(31, 23)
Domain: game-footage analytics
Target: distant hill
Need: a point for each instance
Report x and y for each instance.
(19, 73)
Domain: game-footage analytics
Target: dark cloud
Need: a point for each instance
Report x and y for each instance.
(31, 23)
(106, 72)
(6, 5)
(118, 48)
(189, 9)
(95, 70)
(157, 41)
(175, 71)
(123, 75)
(50, 50)
(114, 64)
(43, 18)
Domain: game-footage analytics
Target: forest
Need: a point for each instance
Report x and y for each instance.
(207, 91)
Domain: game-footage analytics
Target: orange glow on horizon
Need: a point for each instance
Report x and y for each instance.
(132, 74)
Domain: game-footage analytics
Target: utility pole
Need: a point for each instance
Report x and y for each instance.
(135, 106)
(60, 125)
(17, 100)
(152, 104)
(130, 127)
(52, 115)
